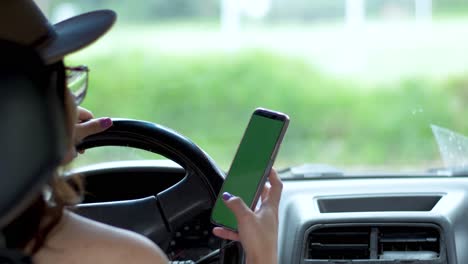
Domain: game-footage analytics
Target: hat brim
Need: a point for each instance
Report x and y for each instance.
(76, 33)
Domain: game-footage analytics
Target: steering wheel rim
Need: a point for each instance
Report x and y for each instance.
(173, 207)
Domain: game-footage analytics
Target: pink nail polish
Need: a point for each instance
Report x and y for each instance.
(105, 122)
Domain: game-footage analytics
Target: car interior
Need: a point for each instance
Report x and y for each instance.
(326, 215)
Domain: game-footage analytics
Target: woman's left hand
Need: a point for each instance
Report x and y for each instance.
(87, 125)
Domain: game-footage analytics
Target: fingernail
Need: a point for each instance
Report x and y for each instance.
(105, 122)
(226, 196)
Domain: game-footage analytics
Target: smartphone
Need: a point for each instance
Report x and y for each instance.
(252, 163)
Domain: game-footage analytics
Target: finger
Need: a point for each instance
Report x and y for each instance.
(276, 188)
(265, 192)
(237, 206)
(225, 234)
(84, 114)
(91, 127)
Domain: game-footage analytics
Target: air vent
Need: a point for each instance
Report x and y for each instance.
(408, 243)
(339, 243)
(378, 243)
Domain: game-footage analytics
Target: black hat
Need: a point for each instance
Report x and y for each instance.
(21, 21)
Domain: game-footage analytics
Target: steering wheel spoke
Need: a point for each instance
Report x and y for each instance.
(184, 201)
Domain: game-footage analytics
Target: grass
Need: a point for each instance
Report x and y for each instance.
(208, 95)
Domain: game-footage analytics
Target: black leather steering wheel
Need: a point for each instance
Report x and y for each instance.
(160, 214)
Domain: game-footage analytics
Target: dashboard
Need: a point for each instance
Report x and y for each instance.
(409, 219)
(374, 220)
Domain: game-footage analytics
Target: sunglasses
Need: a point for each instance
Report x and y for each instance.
(77, 82)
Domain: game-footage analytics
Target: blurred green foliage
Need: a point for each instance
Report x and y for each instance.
(209, 95)
(209, 98)
(450, 7)
(153, 10)
(281, 10)
(306, 10)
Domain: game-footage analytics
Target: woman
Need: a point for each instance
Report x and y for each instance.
(52, 234)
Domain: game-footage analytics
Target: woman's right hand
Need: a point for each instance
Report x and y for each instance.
(257, 231)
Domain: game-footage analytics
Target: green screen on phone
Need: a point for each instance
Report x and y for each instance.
(249, 165)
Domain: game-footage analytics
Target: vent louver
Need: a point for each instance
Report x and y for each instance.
(373, 243)
(408, 243)
(339, 243)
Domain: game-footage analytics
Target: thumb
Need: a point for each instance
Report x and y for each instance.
(237, 206)
(84, 114)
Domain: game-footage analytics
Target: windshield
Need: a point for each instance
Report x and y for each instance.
(362, 81)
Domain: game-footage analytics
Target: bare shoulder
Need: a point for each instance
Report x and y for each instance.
(80, 240)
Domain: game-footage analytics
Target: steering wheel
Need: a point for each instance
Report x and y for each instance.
(160, 214)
